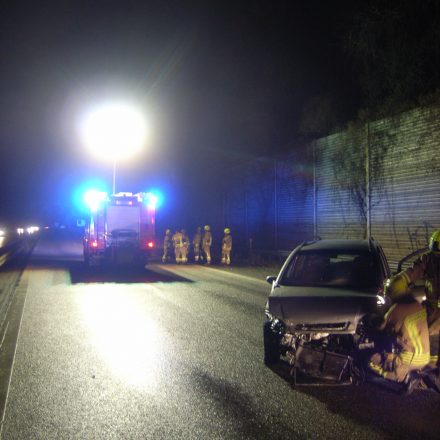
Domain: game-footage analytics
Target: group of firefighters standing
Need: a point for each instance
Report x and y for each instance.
(179, 244)
(415, 327)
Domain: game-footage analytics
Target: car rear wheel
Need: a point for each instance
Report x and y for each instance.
(271, 345)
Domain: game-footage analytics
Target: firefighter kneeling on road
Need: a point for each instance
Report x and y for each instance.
(427, 268)
(226, 247)
(406, 325)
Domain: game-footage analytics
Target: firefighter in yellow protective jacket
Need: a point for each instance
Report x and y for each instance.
(206, 243)
(178, 244)
(185, 246)
(197, 243)
(406, 323)
(427, 268)
(226, 247)
(167, 246)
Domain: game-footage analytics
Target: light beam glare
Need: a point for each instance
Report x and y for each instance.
(94, 199)
(129, 342)
(114, 132)
(151, 200)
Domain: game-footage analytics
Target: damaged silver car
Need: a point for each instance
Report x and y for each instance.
(318, 306)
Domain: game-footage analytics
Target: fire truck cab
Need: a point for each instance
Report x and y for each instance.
(121, 229)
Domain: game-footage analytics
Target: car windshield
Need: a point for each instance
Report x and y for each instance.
(342, 269)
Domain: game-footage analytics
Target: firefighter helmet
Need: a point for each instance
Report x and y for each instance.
(399, 286)
(227, 231)
(434, 242)
(207, 228)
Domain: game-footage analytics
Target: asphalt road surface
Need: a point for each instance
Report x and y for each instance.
(169, 352)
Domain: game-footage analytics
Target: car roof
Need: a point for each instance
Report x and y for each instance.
(340, 245)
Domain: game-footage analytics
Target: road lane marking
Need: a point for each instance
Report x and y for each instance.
(9, 344)
(247, 277)
(4, 335)
(158, 268)
(239, 275)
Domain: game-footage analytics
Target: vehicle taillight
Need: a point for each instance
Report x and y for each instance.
(94, 244)
(150, 244)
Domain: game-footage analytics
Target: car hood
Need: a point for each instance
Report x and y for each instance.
(320, 309)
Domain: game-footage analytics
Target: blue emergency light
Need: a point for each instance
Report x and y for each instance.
(153, 199)
(94, 199)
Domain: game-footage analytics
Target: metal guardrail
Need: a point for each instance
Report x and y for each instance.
(18, 253)
(7, 252)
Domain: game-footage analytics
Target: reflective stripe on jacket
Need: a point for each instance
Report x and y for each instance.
(227, 243)
(408, 322)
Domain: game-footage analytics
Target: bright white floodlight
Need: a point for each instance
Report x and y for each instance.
(115, 131)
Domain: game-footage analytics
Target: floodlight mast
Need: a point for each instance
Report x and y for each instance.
(114, 175)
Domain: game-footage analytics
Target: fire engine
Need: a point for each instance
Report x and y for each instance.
(121, 229)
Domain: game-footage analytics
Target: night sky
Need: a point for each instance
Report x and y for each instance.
(219, 82)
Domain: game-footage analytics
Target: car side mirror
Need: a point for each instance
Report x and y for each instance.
(271, 278)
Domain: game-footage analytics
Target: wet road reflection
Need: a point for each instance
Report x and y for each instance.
(128, 341)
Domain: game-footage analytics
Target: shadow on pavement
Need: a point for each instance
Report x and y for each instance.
(377, 407)
(79, 273)
(237, 406)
